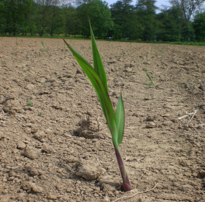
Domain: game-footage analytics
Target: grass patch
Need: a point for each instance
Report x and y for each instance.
(80, 37)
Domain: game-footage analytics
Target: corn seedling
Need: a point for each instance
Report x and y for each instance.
(115, 121)
(30, 103)
(152, 83)
(45, 47)
(163, 49)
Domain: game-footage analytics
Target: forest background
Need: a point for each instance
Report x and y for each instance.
(183, 21)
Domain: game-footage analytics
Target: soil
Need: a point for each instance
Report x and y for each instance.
(54, 141)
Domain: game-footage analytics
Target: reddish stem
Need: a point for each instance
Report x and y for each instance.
(126, 182)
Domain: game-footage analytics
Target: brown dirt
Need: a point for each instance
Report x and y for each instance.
(59, 148)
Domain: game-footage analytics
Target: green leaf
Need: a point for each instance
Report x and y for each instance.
(101, 91)
(120, 117)
(148, 84)
(148, 77)
(97, 61)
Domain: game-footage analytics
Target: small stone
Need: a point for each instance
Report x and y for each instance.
(51, 196)
(102, 171)
(12, 173)
(71, 159)
(27, 130)
(88, 170)
(110, 180)
(32, 171)
(47, 148)
(34, 129)
(202, 173)
(167, 123)
(150, 125)
(166, 115)
(48, 131)
(135, 114)
(10, 178)
(4, 198)
(30, 87)
(129, 70)
(150, 118)
(174, 120)
(40, 136)
(129, 65)
(78, 71)
(112, 61)
(106, 199)
(31, 153)
(107, 187)
(146, 63)
(6, 109)
(31, 187)
(35, 188)
(21, 145)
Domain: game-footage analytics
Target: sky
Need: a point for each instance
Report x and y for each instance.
(158, 2)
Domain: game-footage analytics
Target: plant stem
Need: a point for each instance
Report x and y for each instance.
(125, 179)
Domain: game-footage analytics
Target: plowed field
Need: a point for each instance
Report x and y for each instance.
(54, 141)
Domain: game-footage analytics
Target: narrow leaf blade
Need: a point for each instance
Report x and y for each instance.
(120, 118)
(101, 91)
(148, 84)
(97, 61)
(148, 76)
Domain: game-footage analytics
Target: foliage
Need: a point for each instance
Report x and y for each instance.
(116, 32)
(187, 33)
(99, 13)
(152, 83)
(115, 122)
(146, 11)
(187, 7)
(122, 20)
(170, 25)
(199, 26)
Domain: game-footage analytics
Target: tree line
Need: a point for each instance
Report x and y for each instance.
(184, 20)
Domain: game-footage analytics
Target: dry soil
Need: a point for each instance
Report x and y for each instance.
(54, 141)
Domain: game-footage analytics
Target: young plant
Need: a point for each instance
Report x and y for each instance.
(30, 103)
(98, 79)
(45, 47)
(152, 83)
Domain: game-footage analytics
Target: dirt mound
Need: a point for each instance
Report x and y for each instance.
(54, 141)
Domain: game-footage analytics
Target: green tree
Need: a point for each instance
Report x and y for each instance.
(14, 15)
(147, 18)
(55, 19)
(42, 16)
(170, 24)
(188, 8)
(2, 17)
(124, 16)
(187, 33)
(72, 21)
(199, 26)
(100, 16)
